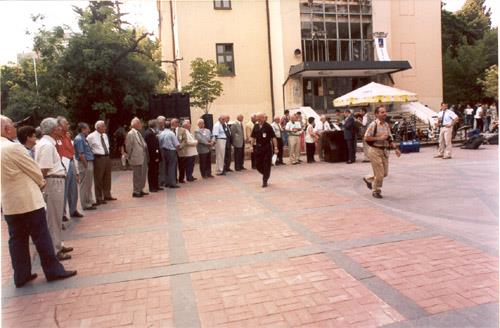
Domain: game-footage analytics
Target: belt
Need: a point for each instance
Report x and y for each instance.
(221, 138)
(98, 156)
(55, 176)
(379, 147)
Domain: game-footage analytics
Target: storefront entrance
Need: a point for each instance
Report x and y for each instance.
(320, 92)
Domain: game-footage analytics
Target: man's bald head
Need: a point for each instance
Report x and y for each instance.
(260, 117)
(8, 130)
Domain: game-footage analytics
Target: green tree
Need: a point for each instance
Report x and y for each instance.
(490, 82)
(204, 88)
(21, 95)
(469, 47)
(461, 72)
(476, 19)
(109, 70)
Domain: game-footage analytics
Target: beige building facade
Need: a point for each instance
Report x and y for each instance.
(283, 54)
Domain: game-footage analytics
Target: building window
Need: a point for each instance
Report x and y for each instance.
(225, 56)
(222, 4)
(336, 30)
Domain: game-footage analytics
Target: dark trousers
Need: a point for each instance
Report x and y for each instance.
(153, 168)
(263, 161)
(310, 150)
(205, 164)
(351, 149)
(181, 162)
(170, 157)
(189, 166)
(479, 124)
(280, 151)
(102, 177)
(239, 154)
(21, 227)
(227, 156)
(252, 158)
(469, 119)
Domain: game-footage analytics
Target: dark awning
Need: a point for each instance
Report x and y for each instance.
(347, 68)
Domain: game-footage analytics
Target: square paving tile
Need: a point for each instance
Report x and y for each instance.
(305, 291)
(240, 238)
(353, 223)
(438, 273)
(124, 252)
(223, 208)
(122, 218)
(300, 199)
(139, 303)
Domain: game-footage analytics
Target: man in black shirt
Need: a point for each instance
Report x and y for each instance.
(265, 142)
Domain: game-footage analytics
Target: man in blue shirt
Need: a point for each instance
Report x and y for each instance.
(85, 159)
(169, 146)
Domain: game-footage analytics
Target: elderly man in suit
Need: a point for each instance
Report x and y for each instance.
(53, 170)
(137, 153)
(189, 152)
(24, 210)
(238, 141)
(180, 133)
(204, 146)
(350, 136)
(154, 155)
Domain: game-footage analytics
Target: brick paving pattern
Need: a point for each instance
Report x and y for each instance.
(312, 250)
(308, 290)
(438, 273)
(141, 303)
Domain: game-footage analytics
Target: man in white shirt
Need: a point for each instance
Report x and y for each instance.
(468, 115)
(321, 127)
(294, 129)
(479, 118)
(99, 144)
(219, 136)
(54, 172)
(278, 131)
(446, 120)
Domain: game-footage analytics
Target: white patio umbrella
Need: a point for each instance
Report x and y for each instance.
(374, 93)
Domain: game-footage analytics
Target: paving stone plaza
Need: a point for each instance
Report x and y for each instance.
(314, 249)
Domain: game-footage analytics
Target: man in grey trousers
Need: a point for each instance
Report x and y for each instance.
(49, 161)
(137, 153)
(85, 160)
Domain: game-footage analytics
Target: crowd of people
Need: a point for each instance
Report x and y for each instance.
(481, 116)
(60, 170)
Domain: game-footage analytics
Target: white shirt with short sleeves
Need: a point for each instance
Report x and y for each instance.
(479, 112)
(449, 116)
(47, 157)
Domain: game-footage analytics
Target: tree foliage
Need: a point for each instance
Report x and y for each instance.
(204, 88)
(106, 70)
(490, 82)
(470, 47)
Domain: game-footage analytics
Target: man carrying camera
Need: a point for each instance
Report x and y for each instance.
(378, 137)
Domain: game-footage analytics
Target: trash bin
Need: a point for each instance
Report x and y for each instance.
(335, 146)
